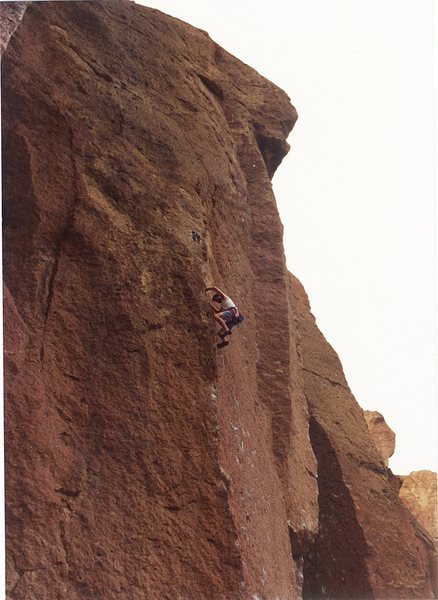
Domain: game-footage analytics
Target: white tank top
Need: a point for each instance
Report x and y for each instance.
(228, 303)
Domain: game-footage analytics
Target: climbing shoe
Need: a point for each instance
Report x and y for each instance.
(223, 335)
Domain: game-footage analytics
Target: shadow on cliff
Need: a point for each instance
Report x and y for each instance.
(336, 567)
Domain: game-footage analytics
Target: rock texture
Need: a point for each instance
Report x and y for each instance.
(140, 461)
(419, 493)
(381, 434)
(366, 545)
(11, 14)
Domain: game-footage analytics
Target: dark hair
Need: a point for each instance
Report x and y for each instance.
(217, 297)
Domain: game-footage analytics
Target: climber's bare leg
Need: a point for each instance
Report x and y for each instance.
(224, 327)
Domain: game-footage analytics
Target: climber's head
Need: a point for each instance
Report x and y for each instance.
(218, 298)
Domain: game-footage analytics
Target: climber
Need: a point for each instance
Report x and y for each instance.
(227, 315)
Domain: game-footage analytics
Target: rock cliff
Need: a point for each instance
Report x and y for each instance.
(141, 462)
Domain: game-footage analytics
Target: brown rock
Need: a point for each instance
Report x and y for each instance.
(425, 540)
(381, 434)
(419, 494)
(140, 461)
(366, 545)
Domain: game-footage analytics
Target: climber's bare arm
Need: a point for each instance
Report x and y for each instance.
(217, 290)
(213, 307)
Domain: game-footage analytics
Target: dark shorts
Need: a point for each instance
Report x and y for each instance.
(230, 314)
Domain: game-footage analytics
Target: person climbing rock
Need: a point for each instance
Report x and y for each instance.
(227, 315)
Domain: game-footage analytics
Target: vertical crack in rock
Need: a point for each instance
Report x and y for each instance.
(62, 537)
(60, 242)
(337, 565)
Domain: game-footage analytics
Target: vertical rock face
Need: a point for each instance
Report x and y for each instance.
(381, 434)
(140, 461)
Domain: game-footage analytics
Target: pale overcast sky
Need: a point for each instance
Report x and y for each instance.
(356, 192)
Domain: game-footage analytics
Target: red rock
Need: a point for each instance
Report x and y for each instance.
(138, 462)
(141, 462)
(381, 434)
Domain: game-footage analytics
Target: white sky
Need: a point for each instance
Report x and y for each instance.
(356, 192)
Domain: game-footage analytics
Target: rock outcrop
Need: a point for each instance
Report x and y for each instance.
(381, 434)
(140, 461)
(418, 492)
